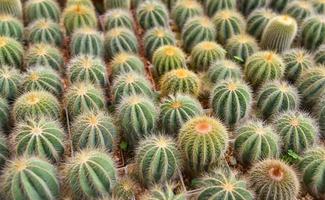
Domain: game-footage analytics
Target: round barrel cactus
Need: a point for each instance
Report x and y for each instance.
(320, 55)
(4, 150)
(247, 6)
(222, 70)
(212, 7)
(11, 52)
(11, 27)
(313, 32)
(11, 7)
(319, 6)
(87, 3)
(111, 4)
(165, 191)
(184, 10)
(125, 189)
(257, 21)
(10, 82)
(41, 9)
(300, 10)
(279, 5)
(320, 114)
(4, 114)
(126, 62)
(118, 18)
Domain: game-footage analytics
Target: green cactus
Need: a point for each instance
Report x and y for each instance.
(90, 174)
(44, 55)
(11, 7)
(36, 104)
(167, 58)
(228, 23)
(319, 111)
(320, 55)
(126, 62)
(45, 31)
(247, 6)
(10, 82)
(4, 115)
(157, 37)
(319, 6)
(169, 3)
(78, 16)
(196, 30)
(275, 97)
(94, 130)
(125, 189)
(204, 54)
(111, 4)
(257, 21)
(157, 160)
(212, 7)
(118, 18)
(163, 192)
(300, 10)
(313, 32)
(240, 47)
(83, 97)
(180, 81)
(176, 111)
(4, 150)
(11, 52)
(87, 3)
(27, 178)
(263, 66)
(42, 9)
(231, 101)
(87, 68)
(274, 179)
(11, 27)
(279, 5)
(184, 10)
(222, 70)
(120, 40)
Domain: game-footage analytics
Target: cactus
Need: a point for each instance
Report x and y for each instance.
(11, 7)
(203, 141)
(212, 7)
(44, 55)
(204, 54)
(263, 66)
(240, 47)
(94, 130)
(274, 179)
(42, 78)
(157, 37)
(118, 18)
(111, 4)
(319, 6)
(170, 3)
(184, 10)
(176, 111)
(128, 84)
(157, 159)
(247, 6)
(279, 33)
(78, 16)
(45, 31)
(180, 81)
(125, 189)
(231, 101)
(275, 97)
(126, 62)
(10, 82)
(4, 115)
(90, 174)
(41, 137)
(11, 27)
(320, 114)
(120, 40)
(228, 23)
(36, 104)
(196, 30)
(223, 186)
(163, 192)
(83, 97)
(87, 3)
(167, 58)
(257, 21)
(11, 52)
(313, 32)
(152, 14)
(320, 55)
(4, 150)
(299, 10)
(138, 117)
(38, 179)
(279, 5)
(222, 70)
(42, 9)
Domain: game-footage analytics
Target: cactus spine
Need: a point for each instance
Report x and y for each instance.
(11, 52)
(11, 27)
(213, 7)
(10, 82)
(42, 9)
(118, 18)
(257, 21)
(11, 7)
(222, 70)
(313, 32)
(126, 62)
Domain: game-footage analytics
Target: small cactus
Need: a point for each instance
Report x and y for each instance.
(313, 32)
(184, 10)
(320, 114)
(11, 27)
(176, 111)
(163, 192)
(300, 10)
(212, 7)
(90, 174)
(40, 179)
(319, 6)
(11, 7)
(274, 179)
(111, 4)
(4, 150)
(279, 5)
(118, 18)
(4, 114)
(257, 21)
(10, 82)
(222, 70)
(125, 189)
(87, 3)
(180, 81)
(126, 62)
(203, 141)
(41, 9)
(205, 53)
(11, 52)
(320, 55)
(247, 6)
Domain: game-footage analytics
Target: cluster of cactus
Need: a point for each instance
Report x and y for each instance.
(11, 27)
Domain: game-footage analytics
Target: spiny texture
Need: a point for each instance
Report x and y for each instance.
(10, 82)
(273, 179)
(111, 4)
(196, 30)
(313, 32)
(212, 6)
(36, 104)
(167, 58)
(118, 18)
(11, 7)
(138, 118)
(40, 137)
(279, 5)
(83, 97)
(126, 62)
(164, 192)
(11, 27)
(222, 70)
(247, 6)
(125, 189)
(120, 40)
(231, 101)
(41, 9)
(275, 97)
(297, 130)
(184, 10)
(87, 3)
(319, 6)
(152, 14)
(279, 33)
(300, 10)
(157, 159)
(180, 81)
(228, 23)
(4, 150)
(255, 141)
(205, 53)
(94, 130)
(263, 66)
(177, 110)
(157, 37)
(90, 174)
(320, 114)
(257, 21)
(320, 55)
(30, 178)
(87, 68)
(4, 114)
(203, 141)
(11, 52)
